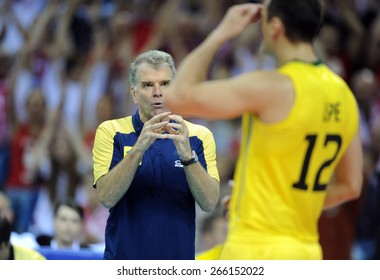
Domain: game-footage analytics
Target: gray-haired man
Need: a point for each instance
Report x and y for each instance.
(150, 169)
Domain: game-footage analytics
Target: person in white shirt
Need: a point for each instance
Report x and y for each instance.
(68, 226)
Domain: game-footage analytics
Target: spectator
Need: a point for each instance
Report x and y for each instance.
(68, 226)
(5, 131)
(9, 251)
(26, 239)
(95, 215)
(22, 183)
(5, 207)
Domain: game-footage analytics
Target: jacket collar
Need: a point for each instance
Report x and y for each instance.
(137, 122)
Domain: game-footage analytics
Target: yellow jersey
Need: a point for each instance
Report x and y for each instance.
(210, 254)
(284, 167)
(24, 253)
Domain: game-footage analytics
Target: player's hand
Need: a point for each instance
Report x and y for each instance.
(237, 18)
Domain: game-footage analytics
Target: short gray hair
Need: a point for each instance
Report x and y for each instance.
(155, 58)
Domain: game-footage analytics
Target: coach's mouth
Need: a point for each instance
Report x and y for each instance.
(158, 105)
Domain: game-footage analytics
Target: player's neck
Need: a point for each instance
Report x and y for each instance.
(300, 51)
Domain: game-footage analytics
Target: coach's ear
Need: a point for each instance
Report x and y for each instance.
(133, 93)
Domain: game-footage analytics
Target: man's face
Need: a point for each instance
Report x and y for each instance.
(68, 225)
(151, 87)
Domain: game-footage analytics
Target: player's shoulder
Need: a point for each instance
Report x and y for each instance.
(265, 81)
(123, 125)
(263, 75)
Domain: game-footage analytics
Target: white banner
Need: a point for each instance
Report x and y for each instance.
(197, 270)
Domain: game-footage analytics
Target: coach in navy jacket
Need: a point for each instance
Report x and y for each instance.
(151, 168)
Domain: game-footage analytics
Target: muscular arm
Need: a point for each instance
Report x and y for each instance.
(266, 94)
(191, 95)
(347, 183)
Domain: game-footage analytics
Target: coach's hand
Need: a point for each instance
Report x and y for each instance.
(152, 130)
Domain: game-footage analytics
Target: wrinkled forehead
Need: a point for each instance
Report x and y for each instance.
(151, 72)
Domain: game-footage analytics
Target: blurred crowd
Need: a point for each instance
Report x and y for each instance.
(64, 70)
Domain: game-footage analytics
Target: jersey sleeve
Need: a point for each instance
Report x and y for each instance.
(210, 154)
(102, 151)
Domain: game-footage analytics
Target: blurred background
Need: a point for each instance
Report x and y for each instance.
(64, 70)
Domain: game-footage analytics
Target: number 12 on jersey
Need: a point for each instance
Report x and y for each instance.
(330, 139)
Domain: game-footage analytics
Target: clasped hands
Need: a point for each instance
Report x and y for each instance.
(162, 124)
(169, 126)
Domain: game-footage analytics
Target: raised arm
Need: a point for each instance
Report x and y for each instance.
(190, 84)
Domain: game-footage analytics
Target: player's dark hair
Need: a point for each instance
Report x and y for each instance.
(302, 18)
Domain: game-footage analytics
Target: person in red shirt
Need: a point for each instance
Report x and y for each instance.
(21, 185)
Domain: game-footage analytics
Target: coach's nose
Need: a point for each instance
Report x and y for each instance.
(157, 90)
